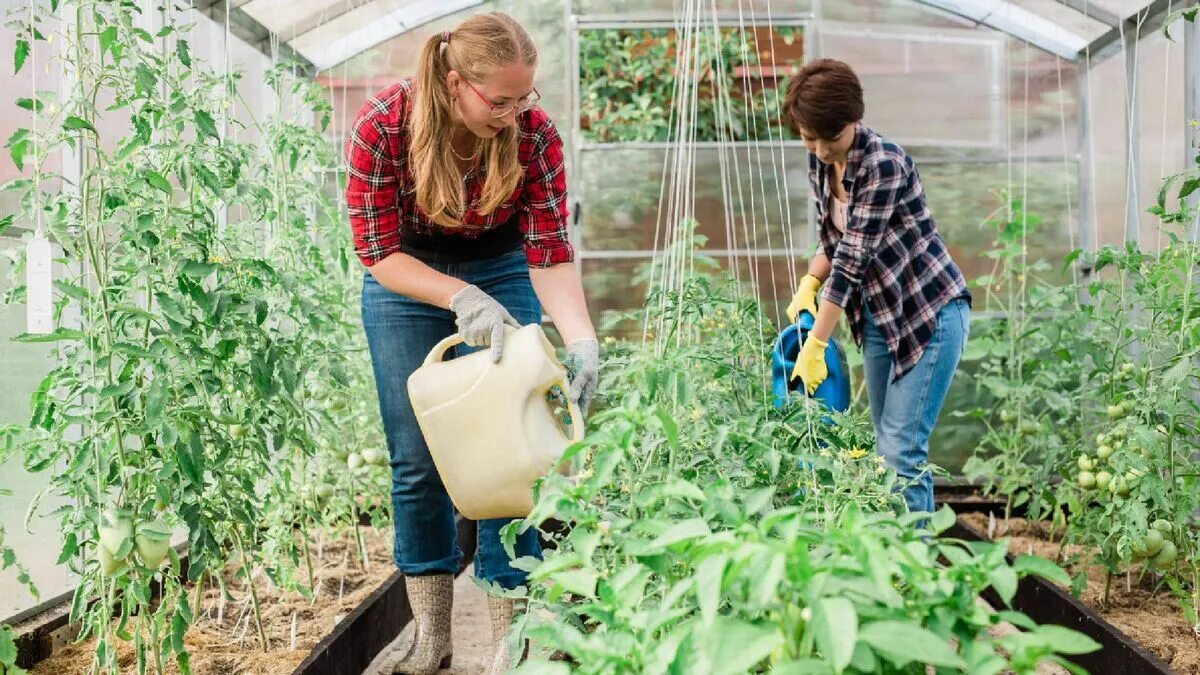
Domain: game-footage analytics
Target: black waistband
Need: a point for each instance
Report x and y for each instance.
(450, 248)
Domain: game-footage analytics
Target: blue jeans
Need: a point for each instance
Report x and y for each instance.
(904, 412)
(400, 333)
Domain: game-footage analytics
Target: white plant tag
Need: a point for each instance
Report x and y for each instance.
(39, 286)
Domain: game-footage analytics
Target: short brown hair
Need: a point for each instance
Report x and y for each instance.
(823, 98)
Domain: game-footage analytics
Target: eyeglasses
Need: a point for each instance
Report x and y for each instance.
(520, 106)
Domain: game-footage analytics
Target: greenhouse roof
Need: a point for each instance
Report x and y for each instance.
(325, 33)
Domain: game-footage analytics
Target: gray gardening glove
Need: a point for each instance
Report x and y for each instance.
(583, 370)
(480, 320)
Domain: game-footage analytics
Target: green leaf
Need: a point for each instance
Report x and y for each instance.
(197, 269)
(6, 222)
(1025, 565)
(156, 180)
(185, 56)
(204, 122)
(682, 531)
(1066, 641)
(669, 427)
(578, 582)
(1004, 581)
(942, 520)
(902, 643)
(31, 104)
(55, 336)
(179, 628)
(734, 646)
(76, 123)
(836, 626)
(20, 54)
(107, 37)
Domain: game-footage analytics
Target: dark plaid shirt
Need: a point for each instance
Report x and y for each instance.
(383, 203)
(891, 255)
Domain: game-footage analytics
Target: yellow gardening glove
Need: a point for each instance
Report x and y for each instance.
(810, 365)
(805, 298)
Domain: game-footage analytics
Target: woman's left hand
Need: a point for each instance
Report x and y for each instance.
(583, 370)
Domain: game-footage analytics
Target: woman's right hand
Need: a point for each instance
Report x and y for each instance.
(481, 320)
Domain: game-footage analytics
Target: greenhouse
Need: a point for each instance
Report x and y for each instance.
(600, 336)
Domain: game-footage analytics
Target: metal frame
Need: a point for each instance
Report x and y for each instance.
(1091, 11)
(250, 31)
(1143, 22)
(1017, 22)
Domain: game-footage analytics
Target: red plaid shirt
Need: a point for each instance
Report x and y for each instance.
(383, 204)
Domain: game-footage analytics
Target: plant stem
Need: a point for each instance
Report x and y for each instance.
(262, 634)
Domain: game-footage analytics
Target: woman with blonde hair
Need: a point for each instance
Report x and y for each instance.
(457, 198)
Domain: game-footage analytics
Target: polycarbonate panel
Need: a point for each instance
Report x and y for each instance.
(290, 18)
(1123, 8)
(761, 204)
(24, 365)
(1070, 19)
(965, 197)
(635, 9)
(925, 86)
(368, 25)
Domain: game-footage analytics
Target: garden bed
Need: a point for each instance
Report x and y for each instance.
(1142, 631)
(224, 639)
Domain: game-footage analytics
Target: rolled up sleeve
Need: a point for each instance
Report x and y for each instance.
(371, 189)
(876, 193)
(543, 203)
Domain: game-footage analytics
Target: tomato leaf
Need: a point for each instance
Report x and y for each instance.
(20, 54)
(204, 122)
(76, 123)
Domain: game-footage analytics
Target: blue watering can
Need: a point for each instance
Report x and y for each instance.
(834, 392)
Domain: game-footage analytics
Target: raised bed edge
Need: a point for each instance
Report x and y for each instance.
(371, 626)
(1046, 603)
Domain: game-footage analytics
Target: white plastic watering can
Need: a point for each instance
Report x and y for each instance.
(492, 428)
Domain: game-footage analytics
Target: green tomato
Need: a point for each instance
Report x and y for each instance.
(1127, 368)
(1085, 463)
(1103, 478)
(1086, 480)
(1029, 427)
(115, 529)
(1128, 406)
(374, 457)
(1104, 451)
(354, 461)
(152, 548)
(1007, 416)
(324, 491)
(1101, 439)
(1151, 543)
(1166, 557)
(1163, 525)
(1120, 486)
(1132, 476)
(1118, 433)
(108, 564)
(238, 431)
(1115, 412)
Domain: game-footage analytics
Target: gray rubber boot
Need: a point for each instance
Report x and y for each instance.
(432, 601)
(502, 611)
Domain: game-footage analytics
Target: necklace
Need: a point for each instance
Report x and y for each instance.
(465, 159)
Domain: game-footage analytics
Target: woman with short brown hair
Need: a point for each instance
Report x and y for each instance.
(883, 265)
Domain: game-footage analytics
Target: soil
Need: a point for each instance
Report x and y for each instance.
(230, 645)
(1152, 618)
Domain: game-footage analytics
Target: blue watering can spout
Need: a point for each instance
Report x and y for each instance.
(834, 392)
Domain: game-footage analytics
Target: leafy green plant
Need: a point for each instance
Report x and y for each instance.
(1028, 367)
(628, 85)
(709, 532)
(213, 353)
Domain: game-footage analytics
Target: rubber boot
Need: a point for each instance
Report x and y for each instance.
(432, 601)
(502, 611)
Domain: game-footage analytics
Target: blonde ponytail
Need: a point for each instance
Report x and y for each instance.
(477, 48)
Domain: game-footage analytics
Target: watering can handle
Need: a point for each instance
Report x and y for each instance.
(439, 350)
